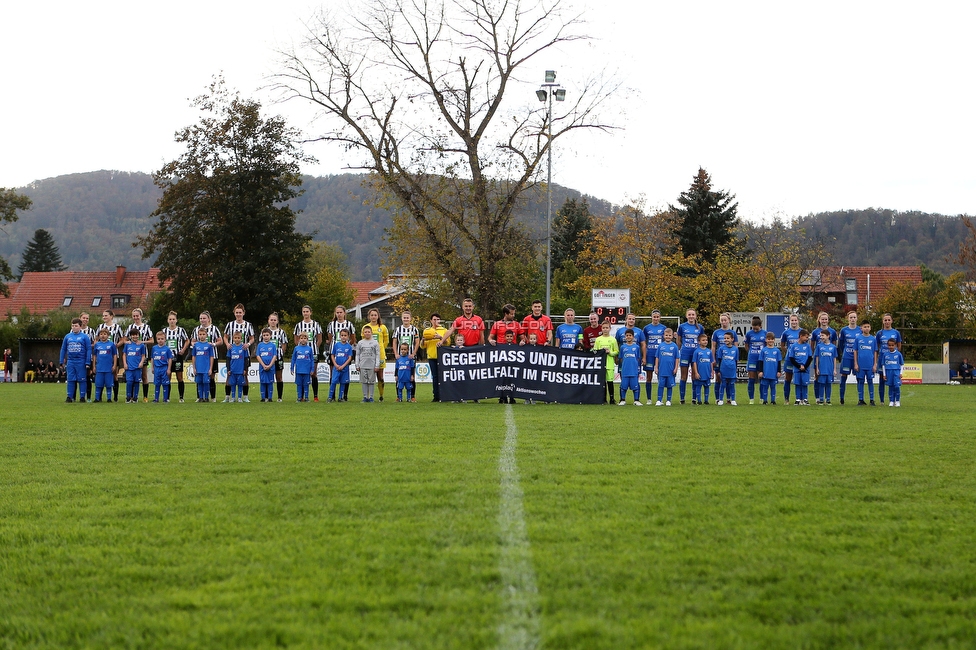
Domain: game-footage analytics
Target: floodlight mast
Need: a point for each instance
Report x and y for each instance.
(549, 90)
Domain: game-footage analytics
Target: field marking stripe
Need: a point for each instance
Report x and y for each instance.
(520, 619)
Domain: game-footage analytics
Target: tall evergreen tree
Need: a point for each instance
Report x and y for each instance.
(706, 219)
(41, 254)
(223, 232)
(569, 231)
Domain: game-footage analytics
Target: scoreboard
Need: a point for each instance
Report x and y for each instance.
(612, 315)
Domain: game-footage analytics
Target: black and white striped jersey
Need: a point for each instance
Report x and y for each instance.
(175, 339)
(244, 328)
(336, 326)
(312, 329)
(114, 332)
(145, 332)
(90, 332)
(408, 334)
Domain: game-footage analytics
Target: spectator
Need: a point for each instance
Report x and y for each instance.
(965, 370)
(8, 364)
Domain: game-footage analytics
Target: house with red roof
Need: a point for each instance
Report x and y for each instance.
(857, 287)
(41, 292)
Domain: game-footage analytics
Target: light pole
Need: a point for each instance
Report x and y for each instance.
(549, 90)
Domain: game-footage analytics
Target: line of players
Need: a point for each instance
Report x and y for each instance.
(799, 358)
(93, 357)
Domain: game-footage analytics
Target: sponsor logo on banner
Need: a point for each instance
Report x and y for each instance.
(610, 297)
(742, 323)
(911, 374)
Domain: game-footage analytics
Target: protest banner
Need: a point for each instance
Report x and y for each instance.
(545, 374)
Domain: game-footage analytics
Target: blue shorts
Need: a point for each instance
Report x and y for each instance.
(865, 374)
(846, 366)
(825, 379)
(686, 354)
(161, 378)
(752, 365)
(651, 358)
(667, 382)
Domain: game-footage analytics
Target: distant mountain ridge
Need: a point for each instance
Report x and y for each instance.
(95, 217)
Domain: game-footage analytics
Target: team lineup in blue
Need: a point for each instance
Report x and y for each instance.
(98, 361)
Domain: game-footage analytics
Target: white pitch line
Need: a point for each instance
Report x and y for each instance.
(519, 629)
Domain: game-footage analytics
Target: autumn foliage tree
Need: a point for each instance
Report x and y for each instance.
(759, 270)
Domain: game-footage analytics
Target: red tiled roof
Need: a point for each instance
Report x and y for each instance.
(882, 278)
(363, 292)
(42, 292)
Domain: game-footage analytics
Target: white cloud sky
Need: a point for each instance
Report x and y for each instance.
(796, 108)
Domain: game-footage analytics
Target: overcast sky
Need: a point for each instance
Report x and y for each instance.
(796, 108)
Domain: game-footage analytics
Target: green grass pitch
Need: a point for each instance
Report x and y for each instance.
(441, 526)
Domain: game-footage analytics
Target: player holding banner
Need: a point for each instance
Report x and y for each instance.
(468, 325)
(569, 335)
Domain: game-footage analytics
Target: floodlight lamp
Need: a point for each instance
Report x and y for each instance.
(550, 76)
(560, 95)
(541, 94)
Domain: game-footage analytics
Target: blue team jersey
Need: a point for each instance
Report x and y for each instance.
(667, 359)
(653, 337)
(866, 348)
(883, 337)
(718, 338)
(703, 360)
(105, 354)
(161, 354)
(266, 352)
(341, 352)
(302, 359)
(847, 342)
(567, 336)
(892, 362)
(800, 354)
(790, 336)
(755, 341)
(770, 359)
(630, 358)
(638, 335)
(404, 369)
(826, 353)
(728, 358)
(202, 352)
(237, 358)
(76, 348)
(134, 353)
(831, 336)
(689, 336)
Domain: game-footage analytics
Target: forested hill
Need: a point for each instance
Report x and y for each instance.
(889, 238)
(96, 216)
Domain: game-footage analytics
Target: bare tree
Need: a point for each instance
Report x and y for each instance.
(421, 93)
